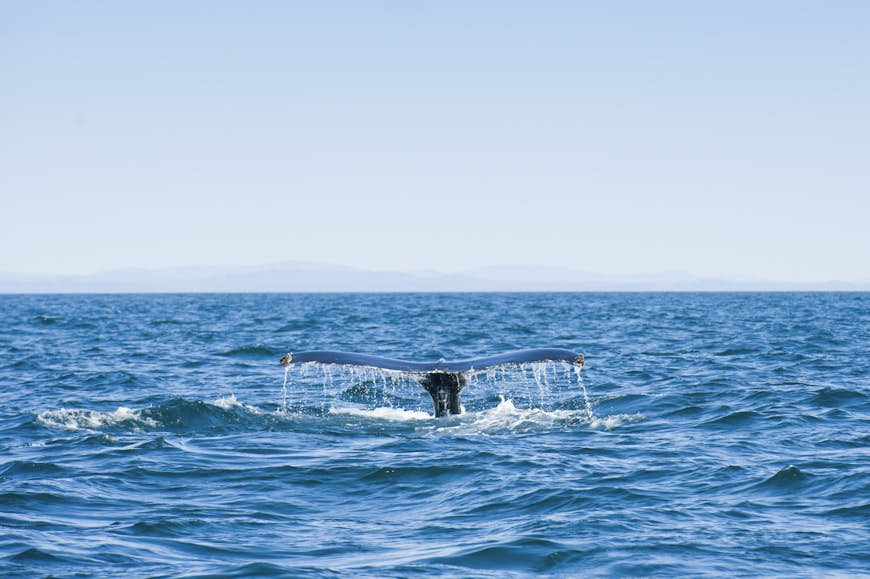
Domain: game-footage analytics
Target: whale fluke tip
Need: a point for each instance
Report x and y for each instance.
(285, 361)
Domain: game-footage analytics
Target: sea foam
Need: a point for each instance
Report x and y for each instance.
(91, 420)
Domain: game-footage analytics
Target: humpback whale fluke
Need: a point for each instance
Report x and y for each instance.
(443, 380)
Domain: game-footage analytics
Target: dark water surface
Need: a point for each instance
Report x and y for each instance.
(148, 436)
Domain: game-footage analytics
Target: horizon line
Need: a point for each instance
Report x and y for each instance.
(601, 277)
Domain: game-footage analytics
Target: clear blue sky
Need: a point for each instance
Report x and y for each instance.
(715, 138)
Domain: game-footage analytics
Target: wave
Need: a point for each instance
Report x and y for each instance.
(251, 351)
(27, 468)
(526, 554)
(838, 397)
(34, 555)
(788, 479)
(176, 414)
(230, 401)
(166, 322)
(228, 413)
(296, 326)
(93, 420)
(738, 418)
(859, 512)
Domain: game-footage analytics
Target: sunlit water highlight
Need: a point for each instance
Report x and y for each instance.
(708, 434)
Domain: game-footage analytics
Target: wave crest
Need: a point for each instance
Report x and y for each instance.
(92, 420)
(172, 415)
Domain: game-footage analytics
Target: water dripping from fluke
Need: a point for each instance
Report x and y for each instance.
(284, 390)
(443, 380)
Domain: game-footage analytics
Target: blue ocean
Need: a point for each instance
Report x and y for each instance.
(708, 434)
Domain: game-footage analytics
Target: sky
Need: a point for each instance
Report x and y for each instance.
(727, 139)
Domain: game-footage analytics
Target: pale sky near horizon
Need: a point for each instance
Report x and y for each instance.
(718, 139)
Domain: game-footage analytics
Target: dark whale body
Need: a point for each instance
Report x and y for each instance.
(443, 380)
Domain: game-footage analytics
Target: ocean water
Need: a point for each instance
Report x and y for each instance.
(154, 435)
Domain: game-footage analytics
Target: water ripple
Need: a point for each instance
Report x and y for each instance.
(148, 436)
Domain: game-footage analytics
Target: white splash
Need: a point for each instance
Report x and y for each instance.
(384, 413)
(89, 420)
(506, 417)
(614, 421)
(229, 402)
(134, 419)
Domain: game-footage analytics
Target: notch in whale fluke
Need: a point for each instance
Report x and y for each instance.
(443, 380)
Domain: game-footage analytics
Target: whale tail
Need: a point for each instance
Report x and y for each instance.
(443, 380)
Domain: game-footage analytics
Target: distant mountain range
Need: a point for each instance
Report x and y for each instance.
(316, 277)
